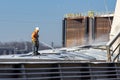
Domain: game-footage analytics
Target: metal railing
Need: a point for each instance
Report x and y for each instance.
(60, 71)
(113, 52)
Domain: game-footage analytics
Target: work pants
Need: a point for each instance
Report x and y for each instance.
(35, 47)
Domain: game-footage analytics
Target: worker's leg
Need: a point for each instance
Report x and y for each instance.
(35, 53)
(37, 48)
(34, 48)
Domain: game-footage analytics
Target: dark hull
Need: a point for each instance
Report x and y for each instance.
(58, 70)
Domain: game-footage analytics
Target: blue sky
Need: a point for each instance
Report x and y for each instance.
(18, 18)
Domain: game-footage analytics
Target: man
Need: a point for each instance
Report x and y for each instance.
(35, 41)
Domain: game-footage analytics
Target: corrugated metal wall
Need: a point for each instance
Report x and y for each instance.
(103, 27)
(84, 30)
(75, 32)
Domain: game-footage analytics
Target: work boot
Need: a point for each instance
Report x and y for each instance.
(36, 53)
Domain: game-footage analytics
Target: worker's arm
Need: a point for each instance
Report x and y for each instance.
(33, 36)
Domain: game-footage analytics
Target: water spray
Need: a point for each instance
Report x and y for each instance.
(48, 45)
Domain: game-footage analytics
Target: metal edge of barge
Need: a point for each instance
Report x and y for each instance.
(36, 69)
